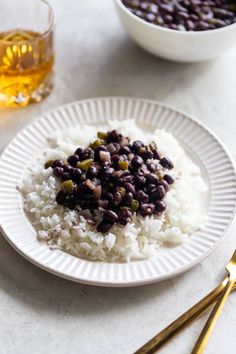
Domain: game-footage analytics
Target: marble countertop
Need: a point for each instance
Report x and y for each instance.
(43, 314)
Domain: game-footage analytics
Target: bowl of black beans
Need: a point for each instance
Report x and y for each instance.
(181, 30)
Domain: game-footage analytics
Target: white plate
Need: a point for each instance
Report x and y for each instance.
(203, 146)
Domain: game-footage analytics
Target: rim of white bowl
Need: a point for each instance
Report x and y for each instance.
(176, 32)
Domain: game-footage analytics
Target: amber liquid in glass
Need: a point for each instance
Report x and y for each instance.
(26, 62)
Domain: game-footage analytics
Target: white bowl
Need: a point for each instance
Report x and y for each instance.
(177, 45)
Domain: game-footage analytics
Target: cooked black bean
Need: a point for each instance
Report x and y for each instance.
(110, 215)
(222, 13)
(60, 197)
(158, 193)
(160, 206)
(165, 185)
(140, 179)
(112, 137)
(168, 18)
(103, 203)
(202, 26)
(79, 151)
(190, 25)
(156, 155)
(73, 160)
(92, 172)
(128, 199)
(137, 145)
(126, 173)
(58, 171)
(169, 179)
(117, 199)
(146, 209)
(144, 169)
(151, 178)
(123, 157)
(83, 176)
(150, 17)
(107, 195)
(76, 174)
(146, 154)
(129, 187)
(130, 156)
(65, 176)
(104, 226)
(137, 161)
(117, 148)
(185, 15)
(68, 168)
(58, 163)
(142, 196)
(108, 173)
(125, 150)
(125, 216)
(150, 188)
(86, 154)
(138, 13)
(153, 8)
(216, 22)
(126, 179)
(152, 166)
(80, 192)
(182, 15)
(166, 163)
(115, 159)
(113, 148)
(115, 176)
(144, 5)
(70, 202)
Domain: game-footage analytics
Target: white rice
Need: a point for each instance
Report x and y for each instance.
(64, 229)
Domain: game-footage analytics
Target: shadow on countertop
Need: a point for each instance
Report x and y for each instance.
(44, 292)
(124, 69)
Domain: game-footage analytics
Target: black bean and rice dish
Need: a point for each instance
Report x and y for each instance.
(114, 193)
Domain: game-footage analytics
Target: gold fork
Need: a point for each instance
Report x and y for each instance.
(181, 322)
(210, 324)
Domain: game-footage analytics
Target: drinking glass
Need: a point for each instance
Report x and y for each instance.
(26, 51)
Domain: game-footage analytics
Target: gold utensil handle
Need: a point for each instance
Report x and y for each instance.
(210, 324)
(160, 339)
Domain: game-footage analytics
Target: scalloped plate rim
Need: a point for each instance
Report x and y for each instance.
(135, 282)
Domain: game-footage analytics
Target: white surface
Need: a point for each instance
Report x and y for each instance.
(43, 314)
(199, 143)
(177, 45)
